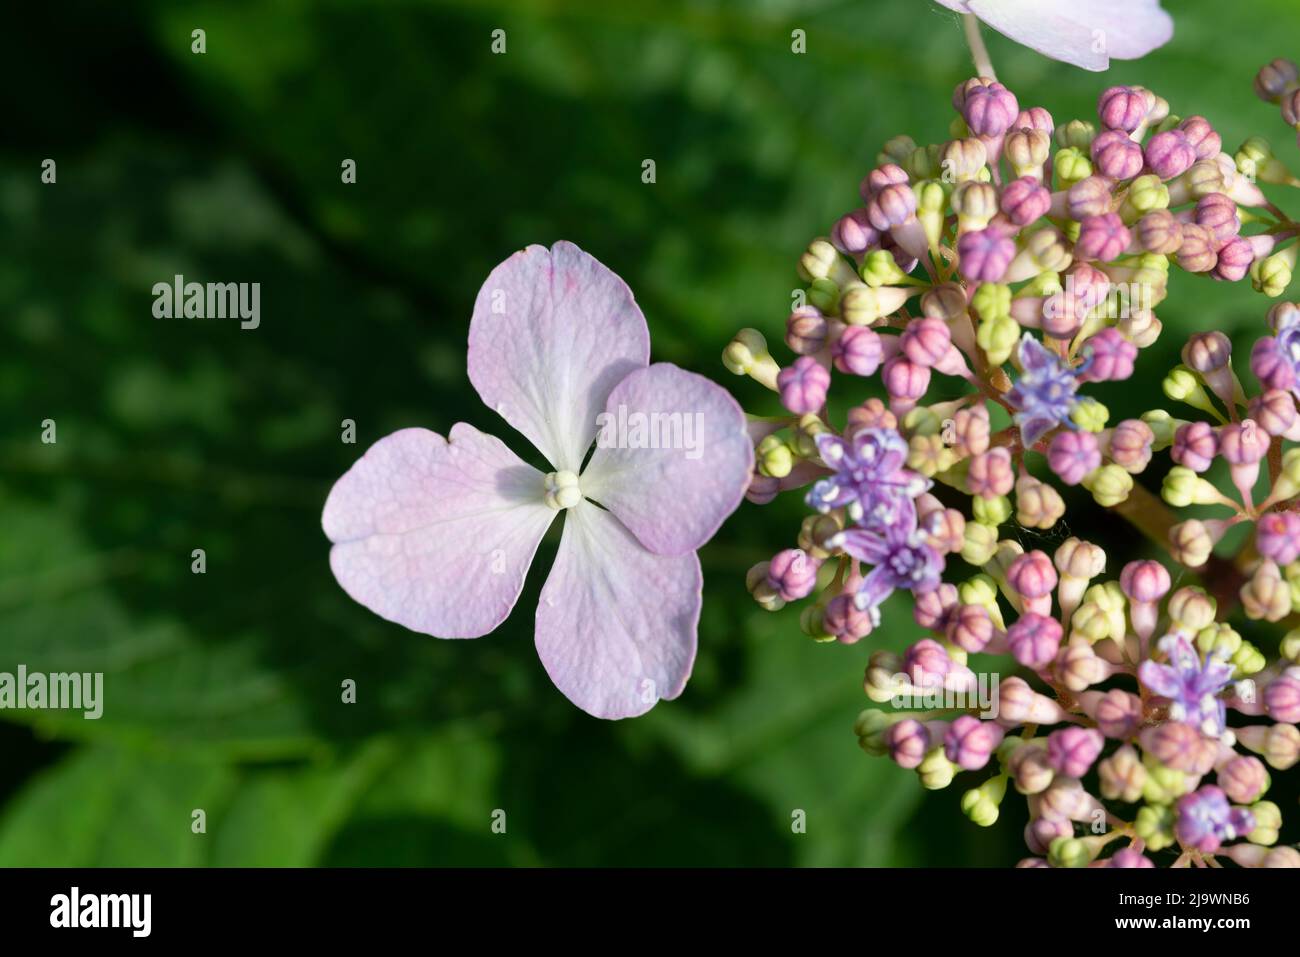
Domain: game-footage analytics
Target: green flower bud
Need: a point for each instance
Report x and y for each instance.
(1217, 638)
(896, 150)
(981, 804)
(936, 771)
(992, 300)
(825, 295)
(805, 437)
(1145, 194)
(1110, 485)
(922, 421)
(1268, 821)
(1155, 825)
(991, 511)
(879, 268)
(1182, 385)
(1271, 275)
(861, 305)
(1070, 852)
(1291, 643)
(811, 622)
(823, 261)
(1090, 415)
(1249, 660)
(1163, 426)
(1070, 166)
(1183, 487)
(775, 458)
(998, 338)
(1076, 134)
(981, 543)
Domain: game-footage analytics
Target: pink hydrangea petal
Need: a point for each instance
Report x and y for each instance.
(616, 624)
(553, 332)
(672, 498)
(436, 534)
(1084, 34)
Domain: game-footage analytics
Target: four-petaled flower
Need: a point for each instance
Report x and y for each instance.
(870, 480)
(1191, 685)
(437, 534)
(1044, 395)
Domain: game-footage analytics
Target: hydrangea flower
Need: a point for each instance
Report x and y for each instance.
(902, 557)
(1191, 685)
(437, 534)
(1044, 395)
(1085, 34)
(870, 480)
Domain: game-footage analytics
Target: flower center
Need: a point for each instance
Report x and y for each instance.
(562, 489)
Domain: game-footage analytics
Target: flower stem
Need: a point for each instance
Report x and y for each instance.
(978, 52)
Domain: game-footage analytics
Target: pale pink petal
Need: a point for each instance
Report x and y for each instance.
(958, 5)
(1086, 34)
(553, 332)
(672, 497)
(616, 623)
(437, 534)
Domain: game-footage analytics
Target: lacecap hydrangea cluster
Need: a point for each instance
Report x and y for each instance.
(1013, 267)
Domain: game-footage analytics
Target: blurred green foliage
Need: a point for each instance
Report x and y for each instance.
(223, 690)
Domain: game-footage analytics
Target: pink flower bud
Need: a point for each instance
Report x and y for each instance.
(926, 341)
(1117, 157)
(1102, 237)
(892, 206)
(1034, 640)
(990, 110)
(1159, 231)
(935, 609)
(1123, 108)
(853, 233)
(1040, 832)
(1032, 575)
(970, 431)
(1243, 443)
(1195, 446)
(792, 574)
(1025, 200)
(990, 473)
(908, 741)
(1145, 581)
(970, 742)
(1174, 744)
(1029, 769)
(1277, 536)
(926, 662)
(984, 255)
(1282, 697)
(1207, 143)
(872, 414)
(1170, 154)
(1072, 751)
(1129, 857)
(857, 351)
(803, 385)
(845, 620)
(1275, 412)
(806, 330)
(970, 628)
(1243, 779)
(905, 380)
(1072, 455)
(1111, 357)
(1118, 714)
(1219, 214)
(1234, 260)
(1035, 118)
(1269, 366)
(1207, 351)
(1091, 196)
(881, 177)
(1197, 252)
(1130, 445)
(1020, 704)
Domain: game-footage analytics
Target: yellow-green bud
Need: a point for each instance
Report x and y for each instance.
(1271, 275)
(981, 543)
(1248, 660)
(1076, 134)
(1182, 385)
(992, 300)
(1291, 645)
(825, 295)
(991, 511)
(805, 436)
(1145, 194)
(1268, 821)
(1183, 487)
(1070, 852)
(823, 261)
(1110, 485)
(775, 458)
(998, 338)
(1155, 825)
(981, 804)
(936, 771)
(1163, 426)
(1192, 608)
(1090, 415)
(1070, 166)
(879, 268)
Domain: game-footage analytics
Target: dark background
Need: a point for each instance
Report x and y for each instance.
(222, 690)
